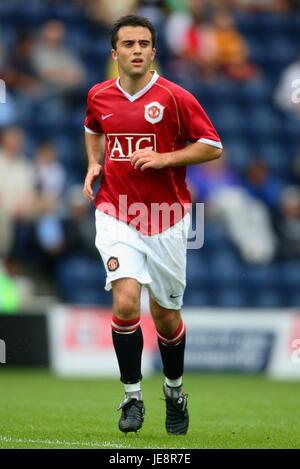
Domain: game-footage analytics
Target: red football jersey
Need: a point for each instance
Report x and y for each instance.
(162, 116)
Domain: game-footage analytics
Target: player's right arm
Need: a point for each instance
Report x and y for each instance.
(95, 149)
(95, 146)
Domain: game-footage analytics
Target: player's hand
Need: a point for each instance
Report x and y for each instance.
(147, 158)
(94, 172)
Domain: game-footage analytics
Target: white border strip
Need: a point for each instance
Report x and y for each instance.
(207, 141)
(89, 131)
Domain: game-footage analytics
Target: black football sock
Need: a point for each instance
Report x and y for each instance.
(172, 352)
(128, 343)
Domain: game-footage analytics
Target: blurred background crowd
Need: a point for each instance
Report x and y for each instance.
(240, 58)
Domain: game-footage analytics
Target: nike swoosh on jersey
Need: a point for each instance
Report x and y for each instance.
(105, 117)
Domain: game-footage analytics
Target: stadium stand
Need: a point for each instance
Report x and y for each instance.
(244, 112)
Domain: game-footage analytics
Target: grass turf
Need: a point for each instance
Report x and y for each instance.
(39, 410)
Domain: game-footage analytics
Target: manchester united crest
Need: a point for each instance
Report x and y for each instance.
(154, 112)
(113, 264)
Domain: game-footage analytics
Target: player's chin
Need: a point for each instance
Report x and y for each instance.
(137, 73)
(141, 70)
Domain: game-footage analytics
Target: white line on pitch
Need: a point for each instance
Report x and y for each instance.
(91, 444)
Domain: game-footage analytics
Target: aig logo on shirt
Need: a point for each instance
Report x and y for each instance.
(154, 112)
(121, 146)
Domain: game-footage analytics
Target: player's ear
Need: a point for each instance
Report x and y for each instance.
(153, 54)
(114, 54)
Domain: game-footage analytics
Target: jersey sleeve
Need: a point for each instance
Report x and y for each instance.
(91, 124)
(196, 125)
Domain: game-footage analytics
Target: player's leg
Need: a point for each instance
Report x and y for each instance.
(125, 267)
(126, 330)
(166, 262)
(128, 343)
(171, 341)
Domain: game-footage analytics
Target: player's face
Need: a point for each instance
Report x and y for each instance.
(134, 51)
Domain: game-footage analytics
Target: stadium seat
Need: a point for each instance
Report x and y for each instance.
(239, 153)
(270, 298)
(262, 121)
(196, 297)
(276, 156)
(82, 280)
(290, 275)
(261, 277)
(230, 298)
(258, 91)
(196, 272)
(224, 268)
(229, 119)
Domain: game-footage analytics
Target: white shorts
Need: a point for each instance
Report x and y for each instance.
(158, 262)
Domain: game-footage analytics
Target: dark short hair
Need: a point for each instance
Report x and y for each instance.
(135, 21)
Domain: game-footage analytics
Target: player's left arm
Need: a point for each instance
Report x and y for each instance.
(192, 154)
(195, 126)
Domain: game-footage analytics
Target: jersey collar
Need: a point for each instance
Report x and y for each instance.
(133, 97)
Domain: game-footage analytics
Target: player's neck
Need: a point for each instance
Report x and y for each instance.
(134, 85)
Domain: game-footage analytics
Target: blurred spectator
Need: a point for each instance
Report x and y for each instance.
(287, 94)
(56, 64)
(8, 109)
(232, 51)
(2, 49)
(296, 168)
(176, 5)
(9, 295)
(50, 174)
(205, 180)
(276, 6)
(107, 11)
(245, 217)
(19, 73)
(79, 224)
(206, 38)
(261, 184)
(50, 183)
(294, 4)
(17, 194)
(152, 9)
(288, 224)
(190, 38)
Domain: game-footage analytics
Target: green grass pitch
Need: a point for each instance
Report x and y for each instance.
(40, 410)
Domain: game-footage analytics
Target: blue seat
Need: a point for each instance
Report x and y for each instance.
(196, 272)
(281, 49)
(90, 297)
(256, 50)
(196, 297)
(81, 280)
(230, 119)
(230, 298)
(290, 130)
(263, 121)
(276, 156)
(239, 153)
(270, 298)
(290, 275)
(215, 237)
(258, 91)
(224, 268)
(261, 277)
(292, 300)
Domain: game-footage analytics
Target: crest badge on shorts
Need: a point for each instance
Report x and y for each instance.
(154, 112)
(113, 264)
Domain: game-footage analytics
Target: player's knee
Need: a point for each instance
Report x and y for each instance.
(168, 322)
(127, 307)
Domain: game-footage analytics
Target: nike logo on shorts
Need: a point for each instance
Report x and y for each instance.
(175, 296)
(105, 117)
